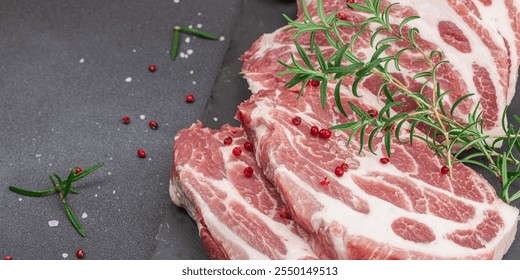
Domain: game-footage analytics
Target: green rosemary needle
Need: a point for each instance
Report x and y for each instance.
(63, 188)
(193, 31)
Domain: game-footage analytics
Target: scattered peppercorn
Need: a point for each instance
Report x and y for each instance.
(248, 146)
(325, 133)
(152, 68)
(445, 170)
(80, 254)
(372, 113)
(314, 83)
(297, 120)
(384, 160)
(341, 16)
(339, 171)
(8, 258)
(345, 167)
(228, 141)
(315, 130)
(153, 125)
(141, 153)
(237, 151)
(78, 170)
(125, 119)
(248, 171)
(190, 98)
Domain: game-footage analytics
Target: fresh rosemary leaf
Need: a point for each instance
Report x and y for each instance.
(405, 22)
(196, 32)
(323, 93)
(175, 44)
(87, 171)
(337, 98)
(26, 192)
(68, 183)
(73, 219)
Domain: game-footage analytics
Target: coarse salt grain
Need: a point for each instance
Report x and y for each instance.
(129, 79)
(142, 117)
(191, 72)
(215, 119)
(82, 60)
(64, 255)
(176, 1)
(222, 38)
(54, 223)
(190, 51)
(84, 215)
(199, 25)
(20, 199)
(187, 40)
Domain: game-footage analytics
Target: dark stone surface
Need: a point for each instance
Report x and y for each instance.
(56, 113)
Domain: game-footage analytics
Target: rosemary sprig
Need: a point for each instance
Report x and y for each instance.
(63, 188)
(194, 31)
(449, 137)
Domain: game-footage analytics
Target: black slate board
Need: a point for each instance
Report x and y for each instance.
(56, 113)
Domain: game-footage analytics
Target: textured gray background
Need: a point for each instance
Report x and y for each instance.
(56, 112)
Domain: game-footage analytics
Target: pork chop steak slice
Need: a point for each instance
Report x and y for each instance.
(504, 17)
(238, 217)
(401, 209)
(478, 56)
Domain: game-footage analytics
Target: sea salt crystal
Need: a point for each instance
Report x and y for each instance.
(222, 38)
(82, 60)
(190, 51)
(215, 119)
(84, 215)
(109, 173)
(114, 192)
(20, 199)
(38, 155)
(134, 50)
(194, 82)
(129, 79)
(176, 1)
(199, 14)
(142, 117)
(54, 223)
(187, 40)
(64, 255)
(199, 25)
(191, 72)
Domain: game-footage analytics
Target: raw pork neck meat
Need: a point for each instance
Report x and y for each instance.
(479, 59)
(238, 217)
(401, 209)
(404, 207)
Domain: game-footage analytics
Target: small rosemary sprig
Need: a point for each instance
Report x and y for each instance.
(194, 31)
(449, 137)
(63, 188)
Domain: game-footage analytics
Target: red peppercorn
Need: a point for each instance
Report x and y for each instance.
(372, 113)
(297, 120)
(228, 141)
(345, 167)
(141, 153)
(153, 125)
(237, 151)
(8, 258)
(248, 146)
(80, 254)
(190, 98)
(284, 213)
(339, 171)
(350, 1)
(248, 171)
(341, 16)
(384, 160)
(314, 83)
(152, 68)
(315, 130)
(78, 170)
(325, 133)
(445, 170)
(125, 119)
